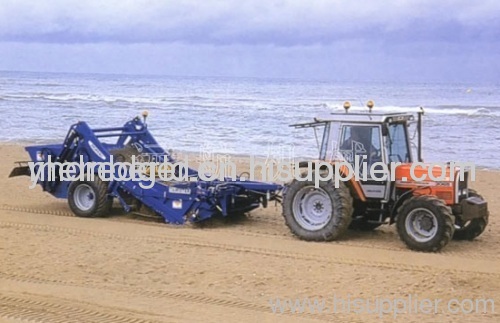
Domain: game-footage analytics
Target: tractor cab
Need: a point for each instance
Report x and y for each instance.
(365, 140)
(387, 183)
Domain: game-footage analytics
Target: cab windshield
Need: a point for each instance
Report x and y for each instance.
(399, 151)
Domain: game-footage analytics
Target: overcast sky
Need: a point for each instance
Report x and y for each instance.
(386, 40)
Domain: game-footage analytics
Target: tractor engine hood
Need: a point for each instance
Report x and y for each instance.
(426, 174)
(440, 180)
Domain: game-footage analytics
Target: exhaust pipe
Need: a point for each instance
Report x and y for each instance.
(419, 125)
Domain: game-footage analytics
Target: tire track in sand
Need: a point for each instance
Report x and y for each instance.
(36, 309)
(248, 230)
(32, 310)
(447, 268)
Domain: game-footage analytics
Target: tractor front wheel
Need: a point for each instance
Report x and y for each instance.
(317, 213)
(473, 228)
(89, 198)
(425, 223)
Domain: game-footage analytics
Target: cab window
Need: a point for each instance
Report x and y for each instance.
(398, 144)
(361, 141)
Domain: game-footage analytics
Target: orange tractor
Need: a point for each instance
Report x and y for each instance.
(429, 203)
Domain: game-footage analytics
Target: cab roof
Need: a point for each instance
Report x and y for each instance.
(373, 118)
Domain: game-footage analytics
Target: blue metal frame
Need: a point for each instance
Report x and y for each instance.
(193, 200)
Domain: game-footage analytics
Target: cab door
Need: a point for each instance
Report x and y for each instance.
(361, 146)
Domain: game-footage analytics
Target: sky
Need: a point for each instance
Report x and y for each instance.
(344, 40)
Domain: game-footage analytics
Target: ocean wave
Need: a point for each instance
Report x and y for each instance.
(46, 84)
(67, 97)
(246, 103)
(195, 101)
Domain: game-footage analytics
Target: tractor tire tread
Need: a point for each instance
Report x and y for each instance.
(444, 212)
(342, 203)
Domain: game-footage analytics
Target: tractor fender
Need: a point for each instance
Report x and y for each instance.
(399, 202)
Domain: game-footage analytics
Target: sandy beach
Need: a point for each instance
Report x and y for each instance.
(56, 267)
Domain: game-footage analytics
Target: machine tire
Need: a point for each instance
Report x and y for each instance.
(434, 210)
(89, 198)
(473, 228)
(335, 205)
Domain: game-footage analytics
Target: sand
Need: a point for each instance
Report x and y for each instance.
(59, 268)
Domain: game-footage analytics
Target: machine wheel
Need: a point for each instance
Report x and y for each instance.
(89, 198)
(425, 223)
(317, 214)
(471, 229)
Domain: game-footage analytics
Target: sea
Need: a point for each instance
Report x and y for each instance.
(246, 115)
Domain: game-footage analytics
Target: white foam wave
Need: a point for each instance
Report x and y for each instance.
(82, 97)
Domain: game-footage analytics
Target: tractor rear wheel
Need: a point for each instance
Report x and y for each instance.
(473, 228)
(425, 223)
(89, 198)
(317, 213)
